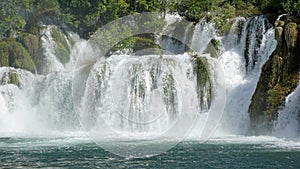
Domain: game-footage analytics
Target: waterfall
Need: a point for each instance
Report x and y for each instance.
(252, 43)
(139, 95)
(13, 83)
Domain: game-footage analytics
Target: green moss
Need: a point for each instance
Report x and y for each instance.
(15, 55)
(32, 44)
(276, 95)
(10, 78)
(225, 28)
(213, 48)
(62, 50)
(201, 72)
(4, 53)
(141, 43)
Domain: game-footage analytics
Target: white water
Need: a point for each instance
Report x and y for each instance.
(241, 78)
(140, 95)
(49, 46)
(287, 124)
(135, 86)
(203, 33)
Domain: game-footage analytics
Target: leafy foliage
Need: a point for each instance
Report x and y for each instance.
(15, 55)
(11, 23)
(37, 9)
(85, 17)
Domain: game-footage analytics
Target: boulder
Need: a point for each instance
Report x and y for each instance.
(13, 54)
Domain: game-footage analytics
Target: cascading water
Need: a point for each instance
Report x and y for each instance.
(85, 109)
(287, 124)
(123, 89)
(140, 94)
(49, 46)
(13, 83)
(252, 43)
(203, 33)
(170, 44)
(34, 104)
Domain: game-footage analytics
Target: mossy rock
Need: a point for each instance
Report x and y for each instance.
(10, 78)
(201, 71)
(225, 28)
(32, 43)
(62, 52)
(213, 48)
(13, 54)
(276, 96)
(142, 44)
(291, 35)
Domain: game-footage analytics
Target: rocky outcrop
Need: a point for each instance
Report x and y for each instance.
(213, 48)
(204, 85)
(13, 54)
(62, 51)
(278, 79)
(32, 43)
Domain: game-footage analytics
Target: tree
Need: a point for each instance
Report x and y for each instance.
(84, 17)
(292, 7)
(165, 6)
(37, 9)
(194, 10)
(11, 23)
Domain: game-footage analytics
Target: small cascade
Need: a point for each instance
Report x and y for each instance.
(203, 33)
(51, 96)
(255, 34)
(56, 48)
(35, 103)
(181, 36)
(177, 38)
(288, 121)
(13, 82)
(19, 77)
(235, 34)
(49, 46)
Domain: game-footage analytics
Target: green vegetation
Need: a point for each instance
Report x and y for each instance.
(107, 38)
(201, 71)
(37, 9)
(32, 44)
(10, 78)
(85, 17)
(20, 19)
(62, 50)
(213, 48)
(15, 55)
(11, 22)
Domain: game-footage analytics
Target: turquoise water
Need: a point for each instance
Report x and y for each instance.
(82, 153)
